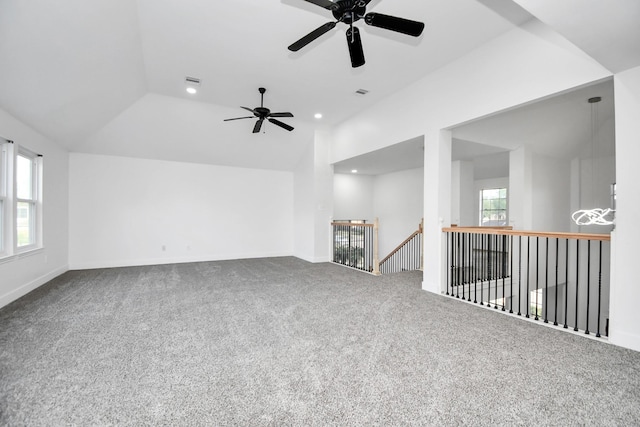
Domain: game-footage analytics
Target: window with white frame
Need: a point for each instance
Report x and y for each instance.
(20, 199)
(493, 207)
(26, 177)
(4, 182)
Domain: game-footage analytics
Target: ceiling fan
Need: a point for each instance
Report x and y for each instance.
(263, 113)
(350, 11)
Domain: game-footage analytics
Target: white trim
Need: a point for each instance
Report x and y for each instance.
(315, 260)
(28, 287)
(23, 254)
(34, 200)
(624, 339)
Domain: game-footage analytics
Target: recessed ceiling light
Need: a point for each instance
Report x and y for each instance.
(354, 170)
(318, 116)
(192, 83)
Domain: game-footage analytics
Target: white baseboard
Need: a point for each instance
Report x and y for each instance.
(624, 339)
(28, 287)
(314, 260)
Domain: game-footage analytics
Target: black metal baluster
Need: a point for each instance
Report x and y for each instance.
(483, 268)
(519, 275)
(545, 309)
(555, 319)
(528, 276)
(475, 270)
(469, 262)
(492, 264)
(451, 260)
(537, 271)
(495, 237)
(458, 267)
(586, 329)
(511, 273)
(504, 297)
(575, 327)
(566, 282)
(464, 261)
(599, 285)
(489, 272)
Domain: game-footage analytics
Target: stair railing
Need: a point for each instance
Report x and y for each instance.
(355, 244)
(559, 278)
(407, 256)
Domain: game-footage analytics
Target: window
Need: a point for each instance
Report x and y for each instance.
(4, 179)
(26, 199)
(20, 199)
(493, 207)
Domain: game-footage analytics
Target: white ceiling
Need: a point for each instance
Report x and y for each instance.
(558, 126)
(107, 76)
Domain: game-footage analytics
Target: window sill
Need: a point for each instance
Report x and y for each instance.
(19, 255)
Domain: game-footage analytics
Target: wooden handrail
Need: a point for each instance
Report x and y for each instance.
(352, 224)
(506, 232)
(407, 240)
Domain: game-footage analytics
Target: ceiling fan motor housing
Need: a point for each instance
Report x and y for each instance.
(349, 11)
(261, 112)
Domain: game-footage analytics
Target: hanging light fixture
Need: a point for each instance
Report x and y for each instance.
(594, 216)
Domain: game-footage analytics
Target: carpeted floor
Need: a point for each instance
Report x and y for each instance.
(279, 341)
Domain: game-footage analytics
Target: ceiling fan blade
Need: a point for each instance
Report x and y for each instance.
(355, 47)
(249, 109)
(323, 3)
(239, 118)
(393, 23)
(282, 125)
(280, 115)
(311, 36)
(258, 125)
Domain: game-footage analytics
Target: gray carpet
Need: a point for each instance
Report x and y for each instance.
(277, 342)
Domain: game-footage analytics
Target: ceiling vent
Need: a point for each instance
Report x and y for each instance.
(192, 81)
(362, 92)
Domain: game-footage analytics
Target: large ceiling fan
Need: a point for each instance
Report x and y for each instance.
(350, 11)
(263, 113)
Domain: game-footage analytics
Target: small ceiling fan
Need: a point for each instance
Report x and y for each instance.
(350, 11)
(263, 113)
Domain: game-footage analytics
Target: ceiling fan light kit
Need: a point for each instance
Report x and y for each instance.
(350, 11)
(263, 113)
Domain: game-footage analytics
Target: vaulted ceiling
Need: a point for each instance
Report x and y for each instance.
(107, 76)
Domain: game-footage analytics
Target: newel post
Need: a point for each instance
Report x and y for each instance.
(376, 258)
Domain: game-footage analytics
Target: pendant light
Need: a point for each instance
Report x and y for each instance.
(594, 216)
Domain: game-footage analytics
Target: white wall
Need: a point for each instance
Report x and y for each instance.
(353, 196)
(551, 194)
(464, 210)
(313, 202)
(19, 275)
(521, 189)
(625, 292)
(398, 204)
(126, 211)
(304, 206)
